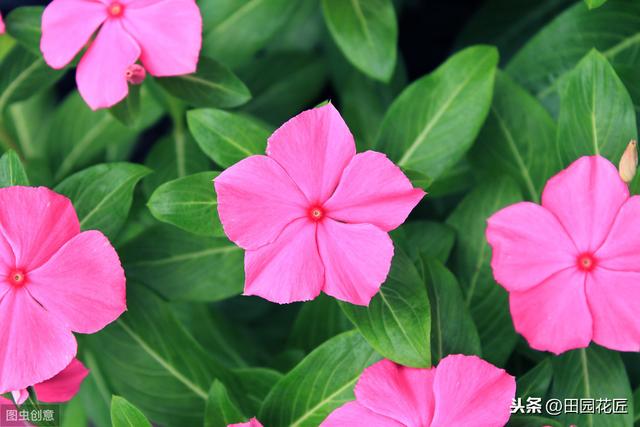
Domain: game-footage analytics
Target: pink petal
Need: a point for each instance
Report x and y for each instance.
(356, 259)
(375, 191)
(614, 300)
(314, 147)
(83, 284)
(169, 33)
(554, 316)
(586, 198)
(34, 345)
(288, 269)
(252, 423)
(101, 74)
(64, 386)
(470, 392)
(528, 245)
(621, 249)
(354, 414)
(2, 29)
(20, 396)
(401, 393)
(256, 200)
(7, 405)
(67, 26)
(36, 222)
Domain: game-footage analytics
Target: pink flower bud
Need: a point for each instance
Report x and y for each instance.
(136, 74)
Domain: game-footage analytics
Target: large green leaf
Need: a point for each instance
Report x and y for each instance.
(397, 322)
(367, 33)
(323, 381)
(11, 170)
(433, 239)
(149, 357)
(102, 195)
(433, 123)
(124, 414)
(518, 139)
(227, 137)
(487, 300)
(213, 85)
(189, 203)
(452, 328)
(596, 112)
(535, 383)
(592, 373)
(254, 384)
(220, 410)
(206, 268)
(23, 24)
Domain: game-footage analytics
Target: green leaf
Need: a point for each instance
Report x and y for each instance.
(535, 383)
(397, 322)
(322, 382)
(433, 122)
(23, 24)
(592, 4)
(597, 116)
(149, 357)
(367, 33)
(180, 257)
(234, 30)
(254, 384)
(95, 391)
(213, 85)
(189, 203)
(595, 373)
(487, 301)
(227, 137)
(73, 414)
(636, 407)
(429, 238)
(127, 111)
(11, 170)
(124, 414)
(220, 410)
(518, 139)
(452, 328)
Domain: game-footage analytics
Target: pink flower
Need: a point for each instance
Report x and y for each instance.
(463, 391)
(252, 423)
(61, 388)
(312, 214)
(53, 280)
(2, 28)
(572, 265)
(165, 35)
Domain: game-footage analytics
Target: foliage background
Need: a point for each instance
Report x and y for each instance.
(190, 351)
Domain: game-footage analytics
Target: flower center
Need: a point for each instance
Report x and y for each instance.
(115, 9)
(316, 213)
(17, 278)
(586, 262)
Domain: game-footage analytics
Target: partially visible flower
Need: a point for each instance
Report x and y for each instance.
(2, 28)
(54, 279)
(461, 391)
(165, 35)
(61, 388)
(252, 423)
(312, 214)
(572, 265)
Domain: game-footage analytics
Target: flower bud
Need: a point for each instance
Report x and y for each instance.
(135, 74)
(629, 162)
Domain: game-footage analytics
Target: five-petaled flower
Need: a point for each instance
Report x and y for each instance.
(572, 265)
(54, 279)
(312, 214)
(165, 35)
(460, 391)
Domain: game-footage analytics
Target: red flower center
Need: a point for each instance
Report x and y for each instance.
(115, 9)
(17, 278)
(586, 262)
(316, 213)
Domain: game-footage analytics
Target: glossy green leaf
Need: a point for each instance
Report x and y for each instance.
(429, 238)
(102, 195)
(254, 384)
(535, 383)
(596, 112)
(433, 122)
(227, 137)
(397, 322)
(452, 328)
(592, 373)
(322, 382)
(487, 301)
(187, 259)
(124, 414)
(189, 203)
(518, 139)
(592, 4)
(213, 85)
(220, 410)
(23, 24)
(11, 170)
(367, 33)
